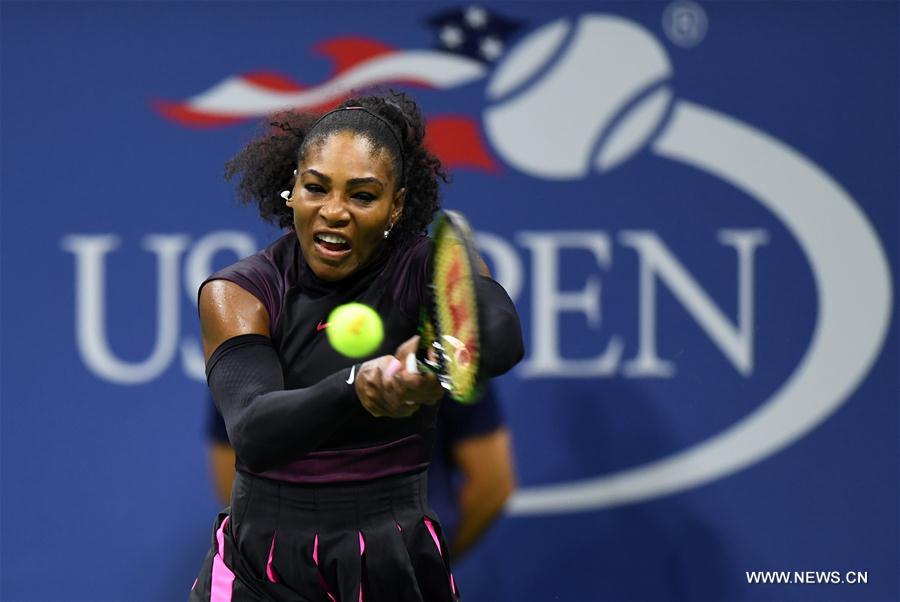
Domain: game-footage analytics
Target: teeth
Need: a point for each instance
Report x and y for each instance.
(332, 238)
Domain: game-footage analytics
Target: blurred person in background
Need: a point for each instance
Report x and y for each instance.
(470, 478)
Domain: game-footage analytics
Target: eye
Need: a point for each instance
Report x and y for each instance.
(365, 196)
(314, 188)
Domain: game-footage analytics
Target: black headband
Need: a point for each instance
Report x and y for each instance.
(387, 123)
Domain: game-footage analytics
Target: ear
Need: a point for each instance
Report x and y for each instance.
(397, 205)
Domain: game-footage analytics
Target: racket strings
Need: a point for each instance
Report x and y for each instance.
(456, 312)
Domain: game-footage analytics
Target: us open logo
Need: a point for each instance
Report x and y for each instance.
(634, 108)
(610, 78)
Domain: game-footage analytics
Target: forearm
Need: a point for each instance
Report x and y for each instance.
(489, 478)
(281, 426)
(221, 464)
(268, 425)
(478, 507)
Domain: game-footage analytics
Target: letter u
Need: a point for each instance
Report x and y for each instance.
(90, 305)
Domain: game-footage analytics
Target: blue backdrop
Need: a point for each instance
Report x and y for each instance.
(693, 206)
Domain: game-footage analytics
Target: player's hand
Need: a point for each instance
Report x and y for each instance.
(377, 390)
(411, 387)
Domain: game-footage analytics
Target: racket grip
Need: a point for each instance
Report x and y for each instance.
(418, 362)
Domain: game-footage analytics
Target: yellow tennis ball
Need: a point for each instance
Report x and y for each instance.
(354, 329)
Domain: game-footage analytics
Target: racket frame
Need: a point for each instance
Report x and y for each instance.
(433, 355)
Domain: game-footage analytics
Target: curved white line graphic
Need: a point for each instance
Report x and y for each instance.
(237, 97)
(853, 282)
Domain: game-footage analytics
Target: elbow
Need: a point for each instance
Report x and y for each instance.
(509, 482)
(503, 344)
(501, 333)
(518, 347)
(254, 461)
(247, 449)
(506, 488)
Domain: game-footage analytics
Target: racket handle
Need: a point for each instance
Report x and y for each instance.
(416, 363)
(420, 362)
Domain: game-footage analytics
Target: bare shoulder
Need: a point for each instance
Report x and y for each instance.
(226, 311)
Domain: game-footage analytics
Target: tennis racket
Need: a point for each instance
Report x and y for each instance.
(449, 327)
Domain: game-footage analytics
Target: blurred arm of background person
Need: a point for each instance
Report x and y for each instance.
(221, 463)
(219, 453)
(472, 472)
(488, 479)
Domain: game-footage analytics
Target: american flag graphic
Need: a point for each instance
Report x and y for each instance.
(469, 41)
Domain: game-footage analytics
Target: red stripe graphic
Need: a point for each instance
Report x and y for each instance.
(458, 142)
(273, 81)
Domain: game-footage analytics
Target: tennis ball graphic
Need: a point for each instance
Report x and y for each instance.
(355, 330)
(572, 96)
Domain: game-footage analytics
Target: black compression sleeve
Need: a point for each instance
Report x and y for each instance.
(501, 333)
(268, 425)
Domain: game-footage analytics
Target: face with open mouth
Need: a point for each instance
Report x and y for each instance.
(343, 200)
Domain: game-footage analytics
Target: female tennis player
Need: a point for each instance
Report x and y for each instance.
(329, 499)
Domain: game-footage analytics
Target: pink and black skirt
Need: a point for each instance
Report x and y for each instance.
(364, 542)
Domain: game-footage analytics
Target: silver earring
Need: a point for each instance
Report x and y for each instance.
(295, 172)
(286, 195)
(388, 231)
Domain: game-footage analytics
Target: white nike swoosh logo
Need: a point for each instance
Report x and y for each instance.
(352, 372)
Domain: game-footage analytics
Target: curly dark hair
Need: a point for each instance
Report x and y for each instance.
(266, 164)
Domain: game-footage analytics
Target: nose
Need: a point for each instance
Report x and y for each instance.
(334, 209)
